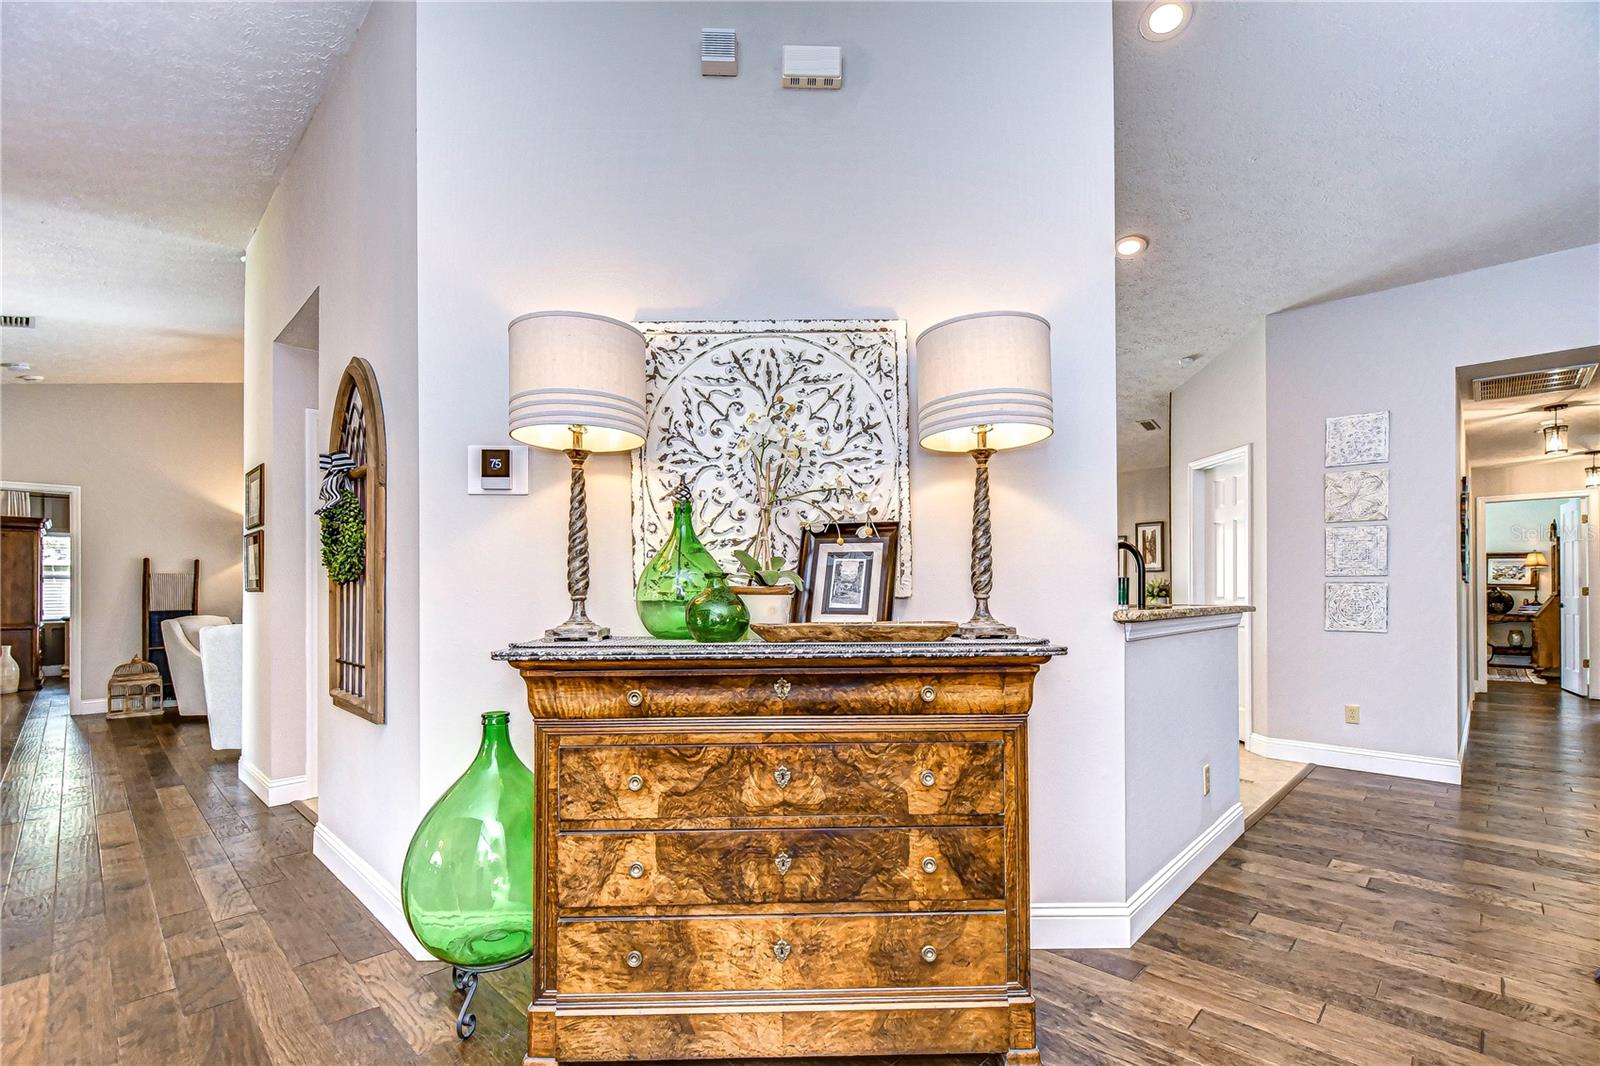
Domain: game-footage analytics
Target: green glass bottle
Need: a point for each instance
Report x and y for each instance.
(467, 884)
(680, 571)
(717, 615)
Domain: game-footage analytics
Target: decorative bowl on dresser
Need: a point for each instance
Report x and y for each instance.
(774, 850)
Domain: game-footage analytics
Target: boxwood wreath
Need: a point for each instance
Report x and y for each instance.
(344, 539)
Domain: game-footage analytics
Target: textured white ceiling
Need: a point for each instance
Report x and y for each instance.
(1279, 154)
(139, 144)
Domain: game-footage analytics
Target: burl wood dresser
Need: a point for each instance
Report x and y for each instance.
(778, 850)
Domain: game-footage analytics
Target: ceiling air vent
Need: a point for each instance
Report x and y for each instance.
(1149, 425)
(16, 321)
(1533, 383)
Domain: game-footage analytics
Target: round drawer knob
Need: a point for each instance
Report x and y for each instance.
(635, 783)
(929, 865)
(929, 953)
(928, 693)
(635, 960)
(927, 778)
(635, 697)
(637, 870)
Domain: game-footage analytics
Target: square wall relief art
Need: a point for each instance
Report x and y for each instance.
(1355, 496)
(1355, 551)
(704, 380)
(1355, 607)
(1353, 440)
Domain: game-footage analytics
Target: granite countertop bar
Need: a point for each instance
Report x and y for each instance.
(1162, 614)
(642, 649)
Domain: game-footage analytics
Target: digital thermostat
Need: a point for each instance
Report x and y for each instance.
(497, 470)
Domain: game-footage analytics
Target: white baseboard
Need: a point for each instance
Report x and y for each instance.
(1392, 763)
(381, 898)
(274, 791)
(1118, 925)
(90, 706)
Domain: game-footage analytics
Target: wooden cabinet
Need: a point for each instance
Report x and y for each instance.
(775, 851)
(21, 594)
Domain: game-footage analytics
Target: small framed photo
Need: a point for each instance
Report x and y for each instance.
(1151, 540)
(254, 559)
(1509, 570)
(849, 573)
(255, 496)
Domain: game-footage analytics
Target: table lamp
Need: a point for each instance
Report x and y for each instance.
(577, 386)
(1534, 560)
(983, 382)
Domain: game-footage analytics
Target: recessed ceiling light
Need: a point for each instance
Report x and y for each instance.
(1164, 19)
(16, 366)
(31, 377)
(1189, 360)
(1132, 245)
(241, 257)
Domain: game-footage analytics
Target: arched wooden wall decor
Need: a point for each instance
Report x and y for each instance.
(355, 609)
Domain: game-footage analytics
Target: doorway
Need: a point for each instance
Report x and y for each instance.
(58, 603)
(1220, 551)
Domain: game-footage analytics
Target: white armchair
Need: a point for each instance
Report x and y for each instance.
(181, 638)
(222, 663)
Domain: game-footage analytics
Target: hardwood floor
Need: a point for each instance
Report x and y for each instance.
(155, 912)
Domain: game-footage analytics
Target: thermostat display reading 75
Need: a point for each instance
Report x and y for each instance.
(494, 466)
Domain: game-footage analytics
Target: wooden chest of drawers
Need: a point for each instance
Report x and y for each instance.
(770, 851)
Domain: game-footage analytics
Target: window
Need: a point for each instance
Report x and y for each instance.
(57, 576)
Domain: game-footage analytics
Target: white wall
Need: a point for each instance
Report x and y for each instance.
(160, 473)
(342, 223)
(1396, 350)
(571, 156)
(1142, 496)
(1223, 407)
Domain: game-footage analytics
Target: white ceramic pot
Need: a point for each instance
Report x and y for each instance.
(10, 672)
(766, 604)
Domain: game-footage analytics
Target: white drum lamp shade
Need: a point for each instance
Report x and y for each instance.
(988, 372)
(570, 369)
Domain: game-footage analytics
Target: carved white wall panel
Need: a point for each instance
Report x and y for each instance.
(1356, 439)
(1355, 551)
(1355, 607)
(704, 378)
(1355, 496)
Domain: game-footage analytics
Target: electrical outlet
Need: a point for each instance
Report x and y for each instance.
(1205, 780)
(1352, 714)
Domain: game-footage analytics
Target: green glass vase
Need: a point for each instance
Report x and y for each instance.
(717, 615)
(680, 571)
(467, 885)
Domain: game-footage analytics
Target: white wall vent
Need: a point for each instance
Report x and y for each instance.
(1149, 425)
(1534, 383)
(16, 321)
(719, 53)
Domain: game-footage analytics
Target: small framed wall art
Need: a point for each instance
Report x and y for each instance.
(1509, 570)
(849, 573)
(255, 496)
(1151, 540)
(254, 560)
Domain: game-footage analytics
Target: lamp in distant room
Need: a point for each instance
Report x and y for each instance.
(1534, 561)
(577, 386)
(1591, 473)
(983, 382)
(1555, 431)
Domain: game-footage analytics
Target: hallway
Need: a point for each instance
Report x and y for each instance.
(156, 912)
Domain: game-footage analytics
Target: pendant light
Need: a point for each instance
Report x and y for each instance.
(1555, 431)
(1591, 473)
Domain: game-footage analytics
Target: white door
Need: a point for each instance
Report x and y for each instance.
(1573, 586)
(1227, 562)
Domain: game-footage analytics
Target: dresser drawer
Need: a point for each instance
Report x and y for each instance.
(722, 867)
(780, 953)
(886, 780)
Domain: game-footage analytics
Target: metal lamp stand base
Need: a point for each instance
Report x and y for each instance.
(465, 978)
(577, 626)
(982, 625)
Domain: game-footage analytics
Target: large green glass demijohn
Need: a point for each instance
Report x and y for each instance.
(467, 885)
(680, 571)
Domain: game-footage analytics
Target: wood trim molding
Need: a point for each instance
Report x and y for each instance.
(1367, 760)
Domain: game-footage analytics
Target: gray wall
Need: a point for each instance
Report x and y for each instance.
(160, 470)
(571, 155)
(1396, 350)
